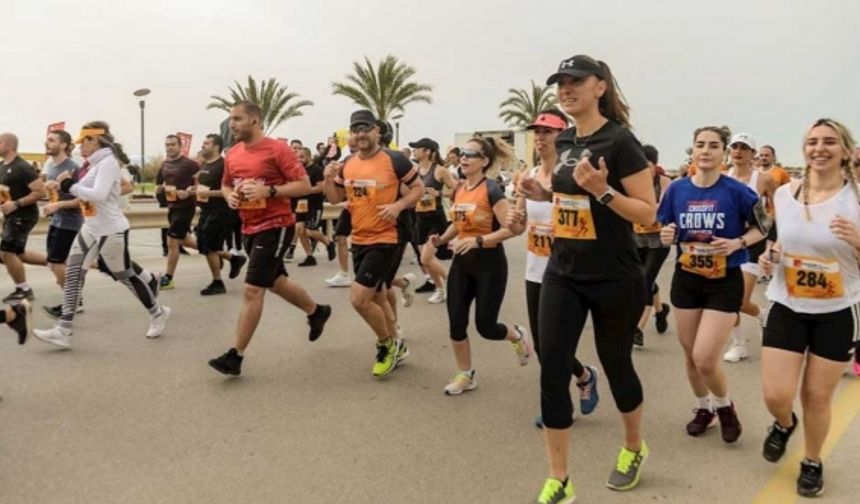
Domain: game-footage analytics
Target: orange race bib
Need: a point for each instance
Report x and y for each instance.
(426, 204)
(245, 204)
(463, 215)
(703, 260)
(170, 192)
(361, 192)
(640, 229)
(812, 278)
(87, 208)
(200, 197)
(302, 206)
(5, 195)
(572, 217)
(540, 239)
(53, 194)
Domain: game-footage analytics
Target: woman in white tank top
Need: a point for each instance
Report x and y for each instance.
(811, 329)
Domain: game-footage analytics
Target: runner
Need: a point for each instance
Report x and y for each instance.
(103, 236)
(536, 216)
(768, 166)
(260, 174)
(19, 318)
(177, 173)
(342, 230)
(812, 325)
(742, 148)
(653, 254)
(21, 190)
(713, 219)
(371, 180)
(309, 211)
(594, 201)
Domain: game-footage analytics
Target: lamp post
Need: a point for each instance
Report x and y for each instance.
(141, 93)
(397, 133)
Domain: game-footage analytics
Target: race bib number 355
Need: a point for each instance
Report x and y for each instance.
(703, 260)
(812, 278)
(572, 217)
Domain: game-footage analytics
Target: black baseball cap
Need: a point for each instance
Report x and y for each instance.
(576, 66)
(425, 143)
(362, 117)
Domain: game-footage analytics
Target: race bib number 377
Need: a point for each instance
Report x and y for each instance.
(572, 218)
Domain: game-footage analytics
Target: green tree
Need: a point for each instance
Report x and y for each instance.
(523, 106)
(385, 89)
(276, 102)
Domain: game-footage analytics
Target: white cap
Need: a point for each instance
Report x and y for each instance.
(744, 138)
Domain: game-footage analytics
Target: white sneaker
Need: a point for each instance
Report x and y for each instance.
(439, 296)
(463, 382)
(409, 291)
(339, 280)
(736, 353)
(56, 335)
(522, 346)
(157, 323)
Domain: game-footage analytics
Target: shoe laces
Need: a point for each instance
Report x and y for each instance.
(810, 470)
(626, 459)
(382, 352)
(550, 488)
(462, 378)
(703, 415)
(585, 388)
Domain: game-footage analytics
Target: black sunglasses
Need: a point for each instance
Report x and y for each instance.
(361, 128)
(471, 154)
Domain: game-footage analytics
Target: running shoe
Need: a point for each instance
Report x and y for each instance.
(58, 336)
(331, 249)
(289, 257)
(229, 364)
(317, 321)
(309, 261)
(428, 286)
(730, 425)
(386, 357)
(628, 468)
(588, 395)
(402, 352)
(157, 323)
(777, 440)
(23, 323)
(439, 296)
(704, 420)
(810, 483)
(522, 346)
(19, 295)
(462, 382)
(339, 280)
(236, 263)
(166, 283)
(556, 492)
(856, 369)
(56, 311)
(737, 349)
(638, 337)
(409, 291)
(661, 318)
(216, 287)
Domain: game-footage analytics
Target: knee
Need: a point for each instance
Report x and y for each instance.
(814, 400)
(705, 365)
(777, 396)
(491, 330)
(253, 293)
(360, 301)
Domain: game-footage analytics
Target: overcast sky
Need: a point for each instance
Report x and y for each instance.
(766, 67)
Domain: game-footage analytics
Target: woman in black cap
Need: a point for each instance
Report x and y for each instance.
(599, 187)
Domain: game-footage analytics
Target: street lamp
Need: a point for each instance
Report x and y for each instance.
(141, 93)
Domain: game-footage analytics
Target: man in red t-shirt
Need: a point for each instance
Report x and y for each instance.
(260, 177)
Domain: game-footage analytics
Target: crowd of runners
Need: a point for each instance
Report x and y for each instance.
(601, 217)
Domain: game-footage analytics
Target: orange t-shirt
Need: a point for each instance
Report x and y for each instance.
(472, 209)
(370, 183)
(779, 175)
(693, 169)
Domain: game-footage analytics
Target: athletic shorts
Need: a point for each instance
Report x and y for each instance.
(372, 264)
(431, 223)
(344, 224)
(831, 336)
(771, 233)
(395, 265)
(212, 231)
(59, 244)
(266, 251)
(179, 221)
(693, 292)
(313, 219)
(16, 231)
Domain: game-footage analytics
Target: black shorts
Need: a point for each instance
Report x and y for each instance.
(179, 221)
(344, 224)
(372, 264)
(406, 226)
(59, 244)
(395, 264)
(266, 251)
(771, 233)
(212, 231)
(831, 336)
(428, 224)
(756, 250)
(313, 219)
(692, 292)
(16, 230)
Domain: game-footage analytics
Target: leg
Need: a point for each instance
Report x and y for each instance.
(816, 394)
(780, 370)
(364, 301)
(711, 337)
(490, 285)
(294, 294)
(249, 316)
(461, 293)
(14, 266)
(173, 245)
(688, 322)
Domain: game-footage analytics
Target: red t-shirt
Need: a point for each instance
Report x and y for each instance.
(271, 163)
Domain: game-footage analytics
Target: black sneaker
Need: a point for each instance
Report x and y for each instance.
(290, 252)
(216, 287)
(638, 337)
(19, 295)
(317, 321)
(427, 287)
(230, 363)
(55, 311)
(236, 263)
(777, 440)
(661, 319)
(23, 323)
(810, 483)
(704, 420)
(309, 261)
(730, 425)
(331, 248)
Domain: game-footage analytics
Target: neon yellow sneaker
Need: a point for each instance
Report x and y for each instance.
(386, 357)
(556, 492)
(625, 476)
(522, 347)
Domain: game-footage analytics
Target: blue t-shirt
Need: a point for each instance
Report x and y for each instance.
(724, 210)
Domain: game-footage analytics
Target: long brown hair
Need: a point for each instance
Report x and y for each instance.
(498, 152)
(612, 105)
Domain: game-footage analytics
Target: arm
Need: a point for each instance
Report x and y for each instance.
(318, 187)
(37, 192)
(446, 237)
(106, 175)
(639, 205)
(500, 209)
(334, 193)
(517, 217)
(392, 210)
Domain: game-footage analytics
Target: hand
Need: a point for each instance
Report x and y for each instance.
(590, 179)
(63, 176)
(772, 255)
(50, 209)
(431, 192)
(182, 194)
(192, 190)
(8, 207)
(461, 246)
(531, 189)
(52, 184)
(333, 170)
(233, 200)
(726, 246)
(254, 191)
(845, 230)
(669, 234)
(389, 212)
(515, 216)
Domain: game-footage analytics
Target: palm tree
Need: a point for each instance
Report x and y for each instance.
(385, 89)
(273, 98)
(523, 106)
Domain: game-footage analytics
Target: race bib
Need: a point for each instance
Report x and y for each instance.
(540, 239)
(170, 192)
(426, 204)
(5, 195)
(53, 194)
(361, 192)
(302, 206)
(463, 215)
(703, 260)
(640, 229)
(812, 278)
(572, 217)
(245, 204)
(200, 197)
(87, 208)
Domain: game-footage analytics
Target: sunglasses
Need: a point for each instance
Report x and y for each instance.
(471, 154)
(361, 128)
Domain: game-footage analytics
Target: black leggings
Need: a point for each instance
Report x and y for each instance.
(533, 306)
(481, 276)
(652, 260)
(615, 307)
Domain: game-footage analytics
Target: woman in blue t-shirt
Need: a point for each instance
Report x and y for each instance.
(712, 218)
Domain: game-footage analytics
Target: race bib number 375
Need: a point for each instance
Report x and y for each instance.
(572, 219)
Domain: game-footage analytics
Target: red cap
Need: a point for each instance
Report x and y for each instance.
(548, 121)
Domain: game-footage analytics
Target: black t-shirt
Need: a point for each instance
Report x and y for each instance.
(210, 176)
(18, 175)
(606, 250)
(179, 173)
(315, 173)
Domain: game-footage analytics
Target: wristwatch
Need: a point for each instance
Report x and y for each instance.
(272, 191)
(479, 240)
(743, 242)
(608, 196)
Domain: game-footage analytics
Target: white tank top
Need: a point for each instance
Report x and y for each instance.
(818, 272)
(753, 182)
(538, 236)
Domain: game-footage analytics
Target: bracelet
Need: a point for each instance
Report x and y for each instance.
(743, 242)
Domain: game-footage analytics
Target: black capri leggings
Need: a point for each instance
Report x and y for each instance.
(533, 305)
(481, 276)
(615, 307)
(652, 260)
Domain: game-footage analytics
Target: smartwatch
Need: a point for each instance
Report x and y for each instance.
(606, 197)
(272, 191)
(479, 240)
